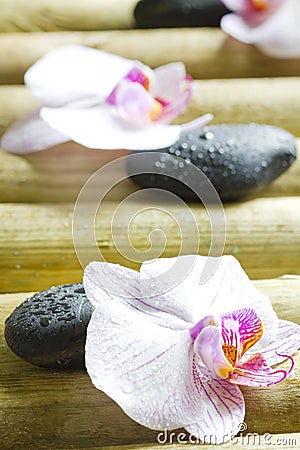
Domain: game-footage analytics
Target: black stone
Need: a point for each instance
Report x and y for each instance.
(239, 160)
(179, 13)
(49, 329)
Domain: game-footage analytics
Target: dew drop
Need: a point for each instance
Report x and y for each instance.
(209, 135)
(44, 321)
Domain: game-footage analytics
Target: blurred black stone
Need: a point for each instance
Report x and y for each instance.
(49, 329)
(179, 13)
(239, 160)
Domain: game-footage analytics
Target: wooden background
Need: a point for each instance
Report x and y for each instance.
(43, 408)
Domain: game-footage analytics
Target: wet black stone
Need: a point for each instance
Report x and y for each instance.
(49, 329)
(179, 13)
(239, 160)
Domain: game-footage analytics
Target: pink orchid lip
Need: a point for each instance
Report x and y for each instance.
(243, 375)
(134, 101)
(222, 346)
(135, 75)
(256, 12)
(199, 326)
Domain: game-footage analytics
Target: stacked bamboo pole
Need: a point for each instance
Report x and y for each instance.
(46, 15)
(44, 397)
(207, 53)
(275, 101)
(41, 408)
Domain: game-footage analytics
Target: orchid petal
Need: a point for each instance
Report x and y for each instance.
(208, 346)
(254, 12)
(145, 368)
(176, 107)
(105, 282)
(168, 81)
(278, 36)
(73, 72)
(173, 88)
(136, 75)
(256, 372)
(135, 104)
(240, 330)
(30, 134)
(224, 408)
(228, 289)
(98, 128)
(200, 122)
(233, 5)
(285, 342)
(236, 27)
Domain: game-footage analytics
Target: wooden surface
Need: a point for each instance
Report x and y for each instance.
(207, 53)
(48, 15)
(58, 174)
(275, 101)
(42, 408)
(240, 443)
(45, 409)
(37, 249)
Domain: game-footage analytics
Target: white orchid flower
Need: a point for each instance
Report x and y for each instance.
(272, 25)
(173, 355)
(102, 101)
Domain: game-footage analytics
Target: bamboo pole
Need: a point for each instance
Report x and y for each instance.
(275, 101)
(207, 53)
(43, 408)
(58, 174)
(37, 249)
(264, 442)
(46, 15)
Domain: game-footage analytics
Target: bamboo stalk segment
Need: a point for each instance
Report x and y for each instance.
(46, 15)
(49, 409)
(264, 442)
(275, 101)
(58, 174)
(207, 53)
(37, 249)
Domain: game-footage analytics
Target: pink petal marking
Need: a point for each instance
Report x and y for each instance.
(240, 330)
(256, 372)
(167, 103)
(145, 368)
(286, 341)
(135, 104)
(196, 329)
(208, 346)
(224, 408)
(135, 75)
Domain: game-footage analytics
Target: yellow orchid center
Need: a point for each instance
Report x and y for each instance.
(155, 111)
(260, 5)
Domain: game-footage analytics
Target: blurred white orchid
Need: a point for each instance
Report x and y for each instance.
(272, 25)
(103, 101)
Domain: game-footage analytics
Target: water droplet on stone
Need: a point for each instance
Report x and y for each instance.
(238, 159)
(209, 135)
